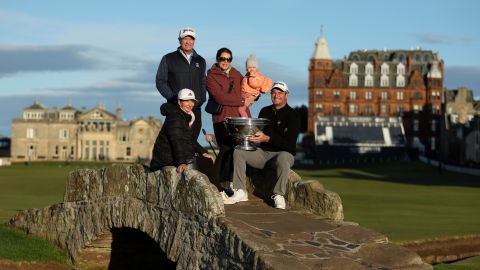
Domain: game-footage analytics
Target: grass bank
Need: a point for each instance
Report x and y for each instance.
(406, 201)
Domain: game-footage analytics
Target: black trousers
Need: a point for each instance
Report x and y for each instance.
(224, 161)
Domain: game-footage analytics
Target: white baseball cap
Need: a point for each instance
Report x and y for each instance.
(187, 31)
(282, 86)
(186, 94)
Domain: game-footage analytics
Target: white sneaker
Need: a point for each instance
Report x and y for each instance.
(226, 199)
(279, 201)
(239, 195)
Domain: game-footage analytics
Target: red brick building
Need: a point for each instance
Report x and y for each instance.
(379, 83)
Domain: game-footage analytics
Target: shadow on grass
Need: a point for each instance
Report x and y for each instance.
(414, 173)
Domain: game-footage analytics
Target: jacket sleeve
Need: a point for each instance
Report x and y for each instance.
(218, 89)
(267, 85)
(177, 139)
(199, 149)
(161, 80)
(288, 140)
(203, 85)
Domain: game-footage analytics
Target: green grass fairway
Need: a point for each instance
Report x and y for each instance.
(406, 201)
(34, 186)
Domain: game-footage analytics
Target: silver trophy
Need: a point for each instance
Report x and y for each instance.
(243, 128)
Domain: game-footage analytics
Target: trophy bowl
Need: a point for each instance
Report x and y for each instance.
(243, 128)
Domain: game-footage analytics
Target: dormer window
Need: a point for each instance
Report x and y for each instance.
(353, 68)
(353, 80)
(384, 81)
(368, 80)
(369, 68)
(401, 69)
(385, 68)
(400, 81)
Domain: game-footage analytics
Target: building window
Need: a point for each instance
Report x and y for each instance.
(368, 80)
(353, 95)
(368, 109)
(383, 108)
(400, 81)
(86, 152)
(385, 69)
(384, 81)
(400, 110)
(56, 150)
(453, 118)
(353, 68)
(319, 107)
(368, 95)
(384, 95)
(336, 109)
(319, 94)
(94, 150)
(399, 95)
(417, 96)
(416, 109)
(416, 125)
(435, 109)
(319, 82)
(30, 133)
(432, 143)
(434, 125)
(401, 69)
(336, 94)
(353, 80)
(63, 133)
(353, 108)
(435, 95)
(369, 68)
(128, 152)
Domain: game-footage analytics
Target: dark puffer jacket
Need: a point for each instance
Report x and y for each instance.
(175, 144)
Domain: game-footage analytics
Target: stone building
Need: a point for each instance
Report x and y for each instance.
(44, 134)
(460, 127)
(379, 83)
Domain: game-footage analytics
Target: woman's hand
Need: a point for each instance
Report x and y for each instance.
(182, 167)
(207, 155)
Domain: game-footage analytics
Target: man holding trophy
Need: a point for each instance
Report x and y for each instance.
(276, 150)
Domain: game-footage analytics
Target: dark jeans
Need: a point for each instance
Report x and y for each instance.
(224, 161)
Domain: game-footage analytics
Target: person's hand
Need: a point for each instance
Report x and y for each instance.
(207, 155)
(259, 137)
(209, 137)
(181, 168)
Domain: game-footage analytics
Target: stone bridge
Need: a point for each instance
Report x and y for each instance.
(120, 217)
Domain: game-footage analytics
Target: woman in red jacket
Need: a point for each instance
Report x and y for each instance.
(224, 85)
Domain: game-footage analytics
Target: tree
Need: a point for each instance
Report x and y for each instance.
(302, 111)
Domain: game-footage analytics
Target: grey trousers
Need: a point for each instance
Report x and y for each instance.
(280, 161)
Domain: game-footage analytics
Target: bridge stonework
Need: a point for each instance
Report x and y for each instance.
(184, 214)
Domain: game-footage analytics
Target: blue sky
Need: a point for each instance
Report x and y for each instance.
(107, 52)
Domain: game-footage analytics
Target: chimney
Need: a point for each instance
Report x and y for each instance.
(118, 112)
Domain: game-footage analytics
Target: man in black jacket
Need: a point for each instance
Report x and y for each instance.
(277, 147)
(184, 68)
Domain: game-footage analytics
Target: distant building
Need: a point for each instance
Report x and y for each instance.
(379, 83)
(460, 128)
(72, 134)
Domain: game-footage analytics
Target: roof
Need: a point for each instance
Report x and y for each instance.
(36, 106)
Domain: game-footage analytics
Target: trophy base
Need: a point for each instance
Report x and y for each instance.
(246, 145)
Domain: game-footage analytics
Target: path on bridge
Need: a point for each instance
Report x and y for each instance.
(305, 241)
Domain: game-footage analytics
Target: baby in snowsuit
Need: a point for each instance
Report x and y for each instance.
(253, 84)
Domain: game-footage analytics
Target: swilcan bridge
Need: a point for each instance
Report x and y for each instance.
(122, 218)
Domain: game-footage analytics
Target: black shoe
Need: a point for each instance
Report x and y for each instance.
(228, 191)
